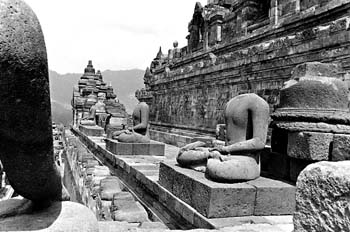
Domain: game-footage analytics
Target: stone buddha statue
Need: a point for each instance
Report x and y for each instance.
(246, 118)
(139, 132)
(89, 119)
(98, 109)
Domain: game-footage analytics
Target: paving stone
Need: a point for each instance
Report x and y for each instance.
(109, 186)
(152, 225)
(309, 145)
(133, 213)
(109, 226)
(121, 200)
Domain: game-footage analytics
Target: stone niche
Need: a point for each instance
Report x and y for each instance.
(311, 123)
(152, 148)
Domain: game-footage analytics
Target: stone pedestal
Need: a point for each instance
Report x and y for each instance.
(217, 200)
(91, 130)
(153, 148)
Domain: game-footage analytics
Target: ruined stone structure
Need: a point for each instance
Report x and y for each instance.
(236, 47)
(312, 121)
(85, 94)
(96, 109)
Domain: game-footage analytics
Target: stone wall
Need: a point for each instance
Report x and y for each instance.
(190, 92)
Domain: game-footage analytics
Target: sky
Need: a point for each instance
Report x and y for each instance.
(114, 34)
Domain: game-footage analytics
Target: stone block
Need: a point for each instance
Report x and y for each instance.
(123, 148)
(309, 145)
(322, 198)
(273, 197)
(157, 148)
(153, 225)
(121, 200)
(341, 147)
(134, 213)
(108, 187)
(141, 149)
(104, 213)
(209, 198)
(153, 148)
(91, 130)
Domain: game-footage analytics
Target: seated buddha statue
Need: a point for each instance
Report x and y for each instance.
(139, 132)
(246, 118)
(96, 111)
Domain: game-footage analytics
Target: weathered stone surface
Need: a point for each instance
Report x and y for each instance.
(209, 198)
(153, 225)
(26, 149)
(312, 126)
(121, 200)
(341, 147)
(91, 130)
(133, 213)
(316, 69)
(322, 198)
(104, 210)
(309, 145)
(273, 197)
(215, 200)
(105, 226)
(152, 148)
(60, 216)
(109, 186)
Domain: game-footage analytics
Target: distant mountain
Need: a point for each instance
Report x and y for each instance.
(60, 113)
(124, 83)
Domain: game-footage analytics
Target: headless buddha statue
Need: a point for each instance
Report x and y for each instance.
(246, 118)
(95, 111)
(139, 133)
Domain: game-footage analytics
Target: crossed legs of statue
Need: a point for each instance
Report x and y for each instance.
(127, 136)
(219, 167)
